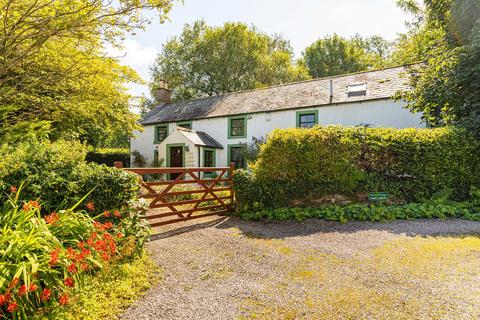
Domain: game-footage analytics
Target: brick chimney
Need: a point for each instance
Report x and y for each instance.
(162, 93)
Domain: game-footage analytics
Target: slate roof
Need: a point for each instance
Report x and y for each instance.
(381, 84)
(200, 138)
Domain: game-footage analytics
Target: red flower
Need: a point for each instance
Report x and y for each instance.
(32, 287)
(72, 268)
(45, 295)
(107, 225)
(69, 282)
(105, 256)
(4, 299)
(63, 300)
(90, 206)
(117, 213)
(106, 213)
(52, 218)
(119, 235)
(12, 306)
(54, 257)
(13, 189)
(22, 290)
(81, 245)
(13, 283)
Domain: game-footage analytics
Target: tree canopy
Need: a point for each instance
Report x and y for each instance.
(334, 55)
(206, 61)
(55, 77)
(446, 38)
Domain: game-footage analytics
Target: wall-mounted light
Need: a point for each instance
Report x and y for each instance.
(187, 148)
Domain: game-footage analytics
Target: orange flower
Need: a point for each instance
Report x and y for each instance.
(54, 257)
(52, 218)
(69, 282)
(106, 213)
(63, 300)
(32, 287)
(72, 268)
(13, 189)
(22, 290)
(119, 235)
(117, 213)
(45, 295)
(31, 205)
(90, 206)
(107, 225)
(84, 266)
(12, 307)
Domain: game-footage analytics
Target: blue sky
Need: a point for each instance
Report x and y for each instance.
(300, 21)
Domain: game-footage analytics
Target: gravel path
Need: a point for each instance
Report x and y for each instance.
(224, 268)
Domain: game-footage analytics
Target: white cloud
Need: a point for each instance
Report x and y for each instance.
(133, 54)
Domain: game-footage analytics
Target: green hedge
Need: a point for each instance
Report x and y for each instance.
(57, 174)
(108, 156)
(409, 164)
(363, 212)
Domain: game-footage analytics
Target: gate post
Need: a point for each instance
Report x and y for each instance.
(230, 173)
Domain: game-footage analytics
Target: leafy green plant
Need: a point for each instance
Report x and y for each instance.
(364, 212)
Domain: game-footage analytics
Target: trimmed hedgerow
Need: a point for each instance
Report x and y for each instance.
(365, 212)
(409, 164)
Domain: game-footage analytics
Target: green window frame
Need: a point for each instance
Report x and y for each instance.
(160, 133)
(301, 114)
(213, 162)
(237, 127)
(239, 164)
(185, 124)
(155, 157)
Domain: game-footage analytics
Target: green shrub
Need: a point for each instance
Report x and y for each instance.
(364, 212)
(108, 156)
(57, 174)
(409, 164)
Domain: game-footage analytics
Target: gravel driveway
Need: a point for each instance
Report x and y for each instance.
(224, 268)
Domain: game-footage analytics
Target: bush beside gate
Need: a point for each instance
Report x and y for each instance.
(409, 164)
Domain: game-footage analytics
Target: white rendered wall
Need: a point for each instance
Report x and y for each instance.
(378, 113)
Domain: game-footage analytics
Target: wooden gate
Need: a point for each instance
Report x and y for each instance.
(191, 195)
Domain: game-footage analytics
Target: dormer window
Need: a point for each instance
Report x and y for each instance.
(358, 89)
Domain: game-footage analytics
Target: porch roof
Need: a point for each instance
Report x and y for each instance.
(200, 138)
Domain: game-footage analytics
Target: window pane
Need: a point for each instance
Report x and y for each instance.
(237, 157)
(161, 133)
(237, 127)
(208, 158)
(185, 125)
(307, 120)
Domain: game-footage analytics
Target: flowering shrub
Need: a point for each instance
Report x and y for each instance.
(44, 259)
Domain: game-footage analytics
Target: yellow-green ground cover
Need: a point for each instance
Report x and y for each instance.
(107, 294)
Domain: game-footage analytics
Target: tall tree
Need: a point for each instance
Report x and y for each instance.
(206, 61)
(447, 40)
(334, 55)
(54, 75)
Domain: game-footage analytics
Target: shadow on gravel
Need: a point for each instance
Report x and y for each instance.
(174, 230)
(412, 228)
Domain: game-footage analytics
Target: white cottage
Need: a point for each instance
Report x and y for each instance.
(209, 131)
